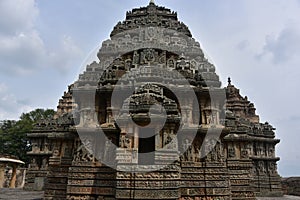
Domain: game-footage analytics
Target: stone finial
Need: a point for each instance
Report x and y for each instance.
(152, 2)
(229, 81)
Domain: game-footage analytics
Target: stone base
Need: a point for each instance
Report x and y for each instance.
(35, 180)
(91, 180)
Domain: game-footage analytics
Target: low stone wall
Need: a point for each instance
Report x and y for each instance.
(291, 186)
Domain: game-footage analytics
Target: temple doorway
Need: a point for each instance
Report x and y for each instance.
(146, 146)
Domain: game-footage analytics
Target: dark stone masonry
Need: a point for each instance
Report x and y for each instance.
(212, 144)
(19, 194)
(291, 186)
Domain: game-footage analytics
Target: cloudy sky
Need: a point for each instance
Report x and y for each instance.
(43, 45)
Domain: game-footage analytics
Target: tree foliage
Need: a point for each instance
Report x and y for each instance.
(13, 134)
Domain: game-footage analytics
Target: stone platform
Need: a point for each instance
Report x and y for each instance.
(285, 197)
(19, 194)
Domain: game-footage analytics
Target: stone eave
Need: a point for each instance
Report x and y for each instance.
(40, 153)
(11, 160)
(246, 137)
(265, 158)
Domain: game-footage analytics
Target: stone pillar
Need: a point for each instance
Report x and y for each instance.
(136, 137)
(13, 179)
(218, 120)
(2, 168)
(190, 112)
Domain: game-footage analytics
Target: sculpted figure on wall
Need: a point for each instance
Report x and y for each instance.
(189, 153)
(231, 152)
(125, 142)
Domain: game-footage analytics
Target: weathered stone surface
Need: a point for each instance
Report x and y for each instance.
(285, 197)
(155, 54)
(291, 185)
(19, 194)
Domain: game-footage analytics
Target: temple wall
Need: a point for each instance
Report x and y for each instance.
(222, 153)
(291, 186)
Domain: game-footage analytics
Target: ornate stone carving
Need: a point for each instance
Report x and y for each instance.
(44, 163)
(33, 164)
(154, 15)
(83, 151)
(153, 36)
(244, 151)
(189, 150)
(125, 142)
(231, 152)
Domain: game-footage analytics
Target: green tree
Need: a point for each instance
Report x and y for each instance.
(6, 136)
(13, 134)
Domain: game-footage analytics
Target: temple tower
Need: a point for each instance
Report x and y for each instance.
(150, 120)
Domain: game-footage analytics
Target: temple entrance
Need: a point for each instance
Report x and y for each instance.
(146, 146)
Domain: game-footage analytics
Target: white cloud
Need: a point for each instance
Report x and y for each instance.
(25, 55)
(9, 105)
(20, 45)
(284, 47)
(22, 53)
(232, 33)
(22, 50)
(269, 29)
(70, 51)
(17, 16)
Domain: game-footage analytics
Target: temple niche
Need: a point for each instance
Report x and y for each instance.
(156, 141)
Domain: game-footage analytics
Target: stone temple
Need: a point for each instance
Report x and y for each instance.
(150, 120)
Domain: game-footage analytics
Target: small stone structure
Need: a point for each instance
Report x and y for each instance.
(291, 186)
(146, 51)
(10, 175)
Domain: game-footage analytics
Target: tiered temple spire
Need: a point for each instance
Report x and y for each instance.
(238, 163)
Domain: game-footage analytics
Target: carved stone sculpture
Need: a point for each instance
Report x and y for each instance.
(89, 150)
